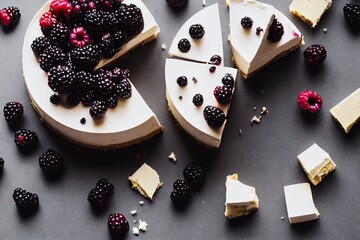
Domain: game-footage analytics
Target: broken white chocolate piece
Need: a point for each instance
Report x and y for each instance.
(172, 157)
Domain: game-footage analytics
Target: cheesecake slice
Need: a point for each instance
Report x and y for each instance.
(316, 163)
(241, 199)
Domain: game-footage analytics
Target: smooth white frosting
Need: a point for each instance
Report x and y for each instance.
(210, 44)
(185, 112)
(130, 122)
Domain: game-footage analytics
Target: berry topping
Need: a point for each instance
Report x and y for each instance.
(1, 164)
(24, 200)
(181, 193)
(118, 225)
(315, 54)
(215, 117)
(176, 3)
(223, 94)
(40, 44)
(51, 163)
(55, 99)
(123, 90)
(13, 112)
(182, 81)
(276, 30)
(25, 139)
(198, 99)
(79, 37)
(310, 100)
(46, 21)
(246, 22)
(101, 193)
(228, 80)
(216, 60)
(259, 30)
(130, 19)
(85, 58)
(212, 69)
(352, 14)
(61, 79)
(196, 31)
(51, 57)
(105, 86)
(59, 35)
(194, 174)
(184, 45)
(98, 110)
(61, 8)
(9, 17)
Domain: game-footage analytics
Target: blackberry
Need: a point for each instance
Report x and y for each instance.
(94, 23)
(352, 14)
(215, 60)
(315, 54)
(111, 101)
(73, 99)
(223, 94)
(215, 117)
(25, 139)
(228, 80)
(107, 46)
(13, 112)
(98, 110)
(100, 194)
(196, 31)
(123, 89)
(104, 5)
(120, 38)
(130, 19)
(84, 81)
(61, 79)
(118, 74)
(276, 30)
(9, 17)
(2, 162)
(51, 163)
(246, 22)
(105, 86)
(176, 3)
(198, 99)
(88, 98)
(40, 44)
(59, 35)
(24, 200)
(182, 81)
(184, 45)
(181, 193)
(51, 57)
(194, 174)
(85, 58)
(55, 99)
(117, 225)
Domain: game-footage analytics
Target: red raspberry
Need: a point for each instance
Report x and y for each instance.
(9, 17)
(79, 37)
(47, 20)
(61, 8)
(310, 100)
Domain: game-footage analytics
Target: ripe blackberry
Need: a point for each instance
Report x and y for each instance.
(51, 163)
(98, 110)
(13, 112)
(73, 99)
(309, 100)
(315, 54)
(181, 193)
(40, 44)
(105, 86)
(55, 99)
(352, 14)
(46, 21)
(276, 30)
(85, 58)
(84, 81)
(118, 225)
(246, 22)
(2, 162)
(61, 8)
(88, 98)
(24, 200)
(25, 139)
(196, 31)
(79, 37)
(9, 17)
(59, 35)
(176, 3)
(123, 89)
(228, 80)
(215, 117)
(61, 79)
(223, 94)
(215, 60)
(51, 57)
(198, 99)
(111, 101)
(120, 38)
(118, 74)
(99, 195)
(94, 23)
(184, 45)
(194, 174)
(130, 19)
(107, 46)
(104, 5)
(182, 81)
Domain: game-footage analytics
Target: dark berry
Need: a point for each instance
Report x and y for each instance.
(51, 163)
(276, 30)
(246, 22)
(83, 120)
(259, 30)
(309, 100)
(9, 17)
(25, 139)
(51, 57)
(105, 86)
(59, 35)
(215, 117)
(13, 112)
(118, 74)
(228, 80)
(111, 101)
(79, 37)
(196, 31)
(118, 225)
(94, 23)
(55, 99)
(61, 79)
(352, 14)
(215, 60)
(223, 94)
(104, 5)
(24, 200)
(85, 58)
(120, 38)
(98, 110)
(176, 3)
(2, 162)
(123, 89)
(315, 54)
(61, 8)
(40, 44)
(107, 46)
(99, 195)
(198, 99)
(85, 81)
(212, 69)
(73, 99)
(130, 19)
(88, 98)
(182, 81)
(194, 175)
(184, 45)
(181, 193)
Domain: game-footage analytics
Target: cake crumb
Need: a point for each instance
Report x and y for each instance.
(194, 80)
(262, 91)
(143, 225)
(133, 212)
(135, 221)
(255, 119)
(264, 110)
(163, 46)
(135, 231)
(172, 157)
(240, 131)
(229, 39)
(325, 30)
(204, 3)
(255, 108)
(180, 97)
(282, 218)
(141, 203)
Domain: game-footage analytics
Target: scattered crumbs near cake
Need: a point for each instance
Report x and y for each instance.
(255, 108)
(163, 46)
(229, 39)
(203, 202)
(180, 97)
(240, 131)
(264, 110)
(172, 156)
(141, 203)
(282, 218)
(74, 180)
(259, 30)
(134, 221)
(194, 80)
(143, 225)
(83, 120)
(262, 91)
(255, 119)
(133, 212)
(135, 231)
(325, 30)
(204, 3)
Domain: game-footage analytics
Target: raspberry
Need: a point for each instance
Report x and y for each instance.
(85, 58)
(123, 89)
(215, 60)
(310, 100)
(25, 139)
(352, 14)
(101, 193)
(198, 99)
(246, 22)
(55, 99)
(315, 54)
(47, 21)
(223, 94)
(194, 175)
(118, 225)
(228, 80)
(196, 31)
(2, 162)
(51, 57)
(98, 110)
(25, 201)
(184, 45)
(182, 81)
(107, 46)
(40, 44)
(79, 37)
(13, 112)
(181, 193)
(61, 8)
(215, 117)
(61, 79)
(9, 17)
(276, 30)
(176, 3)
(51, 163)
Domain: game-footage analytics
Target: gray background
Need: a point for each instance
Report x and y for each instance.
(264, 156)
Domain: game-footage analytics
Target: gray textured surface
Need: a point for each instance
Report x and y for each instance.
(264, 156)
